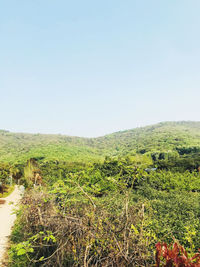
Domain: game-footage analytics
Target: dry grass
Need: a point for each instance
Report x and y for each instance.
(83, 234)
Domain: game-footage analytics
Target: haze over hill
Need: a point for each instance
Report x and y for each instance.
(164, 137)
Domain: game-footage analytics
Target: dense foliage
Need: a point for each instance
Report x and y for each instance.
(107, 214)
(164, 141)
(106, 201)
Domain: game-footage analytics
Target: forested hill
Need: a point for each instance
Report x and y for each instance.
(166, 137)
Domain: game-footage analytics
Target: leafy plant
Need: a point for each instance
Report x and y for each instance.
(175, 255)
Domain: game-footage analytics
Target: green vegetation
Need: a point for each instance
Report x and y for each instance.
(7, 192)
(106, 201)
(168, 140)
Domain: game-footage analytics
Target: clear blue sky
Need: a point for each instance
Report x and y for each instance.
(88, 68)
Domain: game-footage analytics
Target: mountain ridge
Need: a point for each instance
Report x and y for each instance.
(164, 136)
(115, 132)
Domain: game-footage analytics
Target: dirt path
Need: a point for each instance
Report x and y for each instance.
(7, 219)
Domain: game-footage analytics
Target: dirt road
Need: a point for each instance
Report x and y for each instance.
(7, 219)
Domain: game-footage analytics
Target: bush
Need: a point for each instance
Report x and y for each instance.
(81, 233)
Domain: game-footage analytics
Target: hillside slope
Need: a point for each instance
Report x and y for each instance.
(162, 137)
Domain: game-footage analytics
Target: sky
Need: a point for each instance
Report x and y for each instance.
(89, 68)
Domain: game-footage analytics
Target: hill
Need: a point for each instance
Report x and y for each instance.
(113, 212)
(166, 137)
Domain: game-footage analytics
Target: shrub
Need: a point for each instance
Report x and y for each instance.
(175, 255)
(82, 233)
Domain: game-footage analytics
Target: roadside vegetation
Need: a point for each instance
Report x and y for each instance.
(7, 191)
(139, 207)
